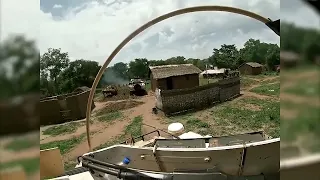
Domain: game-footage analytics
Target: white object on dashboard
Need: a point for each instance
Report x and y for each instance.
(176, 129)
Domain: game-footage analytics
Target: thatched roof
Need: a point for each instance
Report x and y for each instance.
(82, 89)
(160, 72)
(288, 56)
(254, 64)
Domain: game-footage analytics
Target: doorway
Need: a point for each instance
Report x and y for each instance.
(169, 83)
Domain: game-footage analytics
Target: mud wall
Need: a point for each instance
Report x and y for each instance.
(19, 115)
(74, 104)
(179, 100)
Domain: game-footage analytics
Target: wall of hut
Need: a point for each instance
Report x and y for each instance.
(180, 100)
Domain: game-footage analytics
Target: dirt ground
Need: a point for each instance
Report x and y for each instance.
(290, 80)
(103, 133)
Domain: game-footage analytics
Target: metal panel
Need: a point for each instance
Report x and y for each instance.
(303, 167)
(236, 139)
(262, 157)
(225, 159)
(181, 143)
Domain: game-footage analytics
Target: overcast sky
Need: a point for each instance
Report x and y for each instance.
(92, 29)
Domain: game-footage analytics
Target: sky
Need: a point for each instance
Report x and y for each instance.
(88, 29)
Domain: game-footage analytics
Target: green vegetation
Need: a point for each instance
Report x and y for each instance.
(60, 75)
(134, 129)
(191, 123)
(268, 89)
(148, 85)
(240, 116)
(70, 165)
(29, 165)
(245, 82)
(63, 145)
(110, 117)
(271, 81)
(305, 88)
(112, 141)
(305, 125)
(307, 121)
(20, 144)
(114, 107)
(62, 129)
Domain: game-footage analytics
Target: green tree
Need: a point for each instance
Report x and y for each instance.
(121, 70)
(197, 62)
(139, 68)
(19, 67)
(52, 63)
(78, 73)
(225, 57)
(176, 60)
(273, 57)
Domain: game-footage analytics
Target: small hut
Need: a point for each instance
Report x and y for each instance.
(177, 76)
(251, 68)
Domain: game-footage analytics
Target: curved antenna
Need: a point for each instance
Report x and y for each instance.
(149, 24)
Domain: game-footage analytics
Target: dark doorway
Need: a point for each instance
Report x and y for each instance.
(169, 83)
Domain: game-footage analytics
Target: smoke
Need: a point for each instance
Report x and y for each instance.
(111, 77)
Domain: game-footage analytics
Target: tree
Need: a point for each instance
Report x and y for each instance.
(250, 51)
(78, 73)
(139, 68)
(310, 47)
(121, 70)
(53, 62)
(225, 57)
(197, 62)
(19, 67)
(176, 60)
(273, 57)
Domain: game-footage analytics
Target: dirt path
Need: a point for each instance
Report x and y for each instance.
(97, 139)
(35, 176)
(8, 156)
(255, 95)
(300, 99)
(145, 110)
(247, 93)
(99, 105)
(93, 128)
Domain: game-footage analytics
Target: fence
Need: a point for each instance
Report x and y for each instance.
(63, 108)
(179, 100)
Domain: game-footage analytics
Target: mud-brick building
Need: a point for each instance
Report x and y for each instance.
(251, 68)
(177, 76)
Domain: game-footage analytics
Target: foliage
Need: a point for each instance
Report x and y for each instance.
(62, 129)
(21, 144)
(59, 75)
(19, 64)
(134, 128)
(110, 117)
(268, 89)
(139, 68)
(300, 40)
(225, 57)
(30, 165)
(63, 145)
(78, 73)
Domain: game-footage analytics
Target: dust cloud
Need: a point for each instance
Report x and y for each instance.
(111, 77)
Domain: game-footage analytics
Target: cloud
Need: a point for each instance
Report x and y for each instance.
(299, 13)
(57, 6)
(93, 29)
